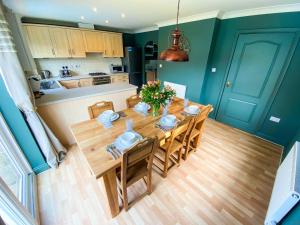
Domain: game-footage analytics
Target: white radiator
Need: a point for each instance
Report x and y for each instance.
(179, 88)
(286, 189)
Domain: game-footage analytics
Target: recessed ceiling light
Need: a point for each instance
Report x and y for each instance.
(95, 9)
(123, 15)
(82, 17)
(106, 21)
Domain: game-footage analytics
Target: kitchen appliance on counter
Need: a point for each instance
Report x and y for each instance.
(116, 68)
(133, 66)
(45, 74)
(35, 83)
(65, 72)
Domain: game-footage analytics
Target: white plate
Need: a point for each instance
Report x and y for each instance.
(139, 107)
(193, 111)
(168, 120)
(114, 117)
(121, 142)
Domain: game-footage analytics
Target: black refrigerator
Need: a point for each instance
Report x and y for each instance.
(132, 63)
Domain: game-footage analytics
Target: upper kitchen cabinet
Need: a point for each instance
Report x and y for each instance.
(46, 41)
(39, 41)
(76, 43)
(113, 45)
(93, 41)
(60, 42)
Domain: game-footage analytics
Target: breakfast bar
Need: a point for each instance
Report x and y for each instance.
(92, 139)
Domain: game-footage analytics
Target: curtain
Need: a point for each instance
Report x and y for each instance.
(17, 86)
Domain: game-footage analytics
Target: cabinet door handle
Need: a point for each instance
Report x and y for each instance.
(73, 51)
(53, 52)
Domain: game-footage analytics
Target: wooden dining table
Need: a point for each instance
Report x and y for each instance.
(92, 139)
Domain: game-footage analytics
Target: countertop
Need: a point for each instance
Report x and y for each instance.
(61, 95)
(76, 77)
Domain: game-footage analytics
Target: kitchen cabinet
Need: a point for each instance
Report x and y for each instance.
(60, 42)
(39, 41)
(119, 79)
(94, 41)
(69, 84)
(47, 41)
(113, 45)
(86, 82)
(76, 43)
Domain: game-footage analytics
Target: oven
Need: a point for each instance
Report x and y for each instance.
(101, 80)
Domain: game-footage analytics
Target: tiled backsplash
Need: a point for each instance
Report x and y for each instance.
(79, 66)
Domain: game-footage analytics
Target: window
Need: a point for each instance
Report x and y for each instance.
(17, 182)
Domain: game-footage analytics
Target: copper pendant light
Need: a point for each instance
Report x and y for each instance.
(175, 52)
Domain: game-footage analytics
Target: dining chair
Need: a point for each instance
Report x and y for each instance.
(99, 107)
(132, 101)
(136, 164)
(172, 146)
(193, 137)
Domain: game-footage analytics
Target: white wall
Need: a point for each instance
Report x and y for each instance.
(94, 62)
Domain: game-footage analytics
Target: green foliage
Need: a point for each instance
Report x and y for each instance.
(153, 94)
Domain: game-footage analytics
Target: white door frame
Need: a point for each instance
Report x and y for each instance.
(23, 211)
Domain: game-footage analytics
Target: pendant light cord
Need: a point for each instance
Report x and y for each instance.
(177, 15)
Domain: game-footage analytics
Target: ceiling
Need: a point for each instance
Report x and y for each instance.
(138, 13)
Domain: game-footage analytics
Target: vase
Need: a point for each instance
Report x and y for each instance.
(155, 109)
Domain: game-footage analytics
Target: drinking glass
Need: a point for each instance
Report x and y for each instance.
(129, 124)
(165, 111)
(106, 120)
(186, 102)
(145, 110)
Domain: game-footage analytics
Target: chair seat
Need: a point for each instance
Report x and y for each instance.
(135, 172)
(175, 146)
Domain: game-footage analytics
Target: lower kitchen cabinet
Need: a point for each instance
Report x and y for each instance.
(87, 82)
(69, 83)
(119, 79)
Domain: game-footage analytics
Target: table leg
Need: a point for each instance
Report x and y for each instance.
(110, 183)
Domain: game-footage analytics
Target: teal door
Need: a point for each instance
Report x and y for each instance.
(255, 69)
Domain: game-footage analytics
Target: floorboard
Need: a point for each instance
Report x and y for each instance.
(228, 180)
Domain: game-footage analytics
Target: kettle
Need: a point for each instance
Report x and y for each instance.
(45, 74)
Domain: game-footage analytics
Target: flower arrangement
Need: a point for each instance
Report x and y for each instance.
(156, 96)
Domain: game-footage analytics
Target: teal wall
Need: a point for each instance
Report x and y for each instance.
(140, 40)
(191, 73)
(286, 104)
(20, 130)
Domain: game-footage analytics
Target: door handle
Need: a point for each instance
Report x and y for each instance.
(228, 84)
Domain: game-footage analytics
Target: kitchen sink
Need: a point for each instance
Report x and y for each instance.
(49, 84)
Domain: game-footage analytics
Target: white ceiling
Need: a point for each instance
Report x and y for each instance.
(139, 13)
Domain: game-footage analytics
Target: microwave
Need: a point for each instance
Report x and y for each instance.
(116, 68)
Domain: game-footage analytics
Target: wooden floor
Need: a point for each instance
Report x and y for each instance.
(227, 181)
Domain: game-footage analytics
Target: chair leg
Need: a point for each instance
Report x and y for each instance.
(179, 156)
(149, 183)
(166, 165)
(187, 149)
(125, 198)
(196, 142)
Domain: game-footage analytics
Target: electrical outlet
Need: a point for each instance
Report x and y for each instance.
(160, 65)
(213, 70)
(275, 119)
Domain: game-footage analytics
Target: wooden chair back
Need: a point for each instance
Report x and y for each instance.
(132, 101)
(201, 117)
(99, 107)
(181, 131)
(142, 151)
